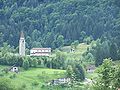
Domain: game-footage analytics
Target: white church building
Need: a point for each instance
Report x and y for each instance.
(40, 52)
(33, 51)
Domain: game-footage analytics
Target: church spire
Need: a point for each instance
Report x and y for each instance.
(22, 34)
(22, 44)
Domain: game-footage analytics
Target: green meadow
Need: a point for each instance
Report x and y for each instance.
(34, 78)
(76, 55)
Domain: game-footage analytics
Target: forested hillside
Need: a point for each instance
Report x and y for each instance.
(54, 23)
(84, 36)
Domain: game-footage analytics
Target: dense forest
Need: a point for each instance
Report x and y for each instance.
(55, 23)
(81, 33)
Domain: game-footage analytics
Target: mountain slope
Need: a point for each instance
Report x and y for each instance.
(54, 23)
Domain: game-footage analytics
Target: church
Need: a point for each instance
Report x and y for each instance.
(33, 51)
(22, 45)
(40, 51)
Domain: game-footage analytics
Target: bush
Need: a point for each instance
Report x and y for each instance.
(13, 76)
(6, 70)
(1, 74)
(25, 65)
(24, 86)
(43, 86)
(35, 83)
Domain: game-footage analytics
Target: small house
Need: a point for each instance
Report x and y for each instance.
(14, 69)
(72, 50)
(90, 68)
(60, 81)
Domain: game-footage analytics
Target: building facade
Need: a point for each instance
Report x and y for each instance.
(60, 81)
(22, 45)
(14, 69)
(40, 52)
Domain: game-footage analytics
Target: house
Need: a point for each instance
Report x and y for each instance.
(90, 68)
(14, 69)
(60, 81)
(40, 52)
(72, 50)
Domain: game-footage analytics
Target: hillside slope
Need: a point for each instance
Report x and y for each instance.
(28, 79)
(52, 23)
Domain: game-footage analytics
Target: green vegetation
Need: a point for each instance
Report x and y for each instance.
(81, 33)
(109, 76)
(5, 84)
(77, 53)
(34, 78)
(54, 23)
(74, 62)
(60, 61)
(26, 64)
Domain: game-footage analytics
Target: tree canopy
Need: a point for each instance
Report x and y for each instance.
(54, 23)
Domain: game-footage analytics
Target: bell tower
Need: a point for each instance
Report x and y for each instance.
(22, 44)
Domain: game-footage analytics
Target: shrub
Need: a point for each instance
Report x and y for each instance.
(13, 76)
(35, 83)
(6, 70)
(23, 86)
(25, 65)
(43, 86)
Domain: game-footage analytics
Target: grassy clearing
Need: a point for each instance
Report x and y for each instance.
(34, 78)
(81, 48)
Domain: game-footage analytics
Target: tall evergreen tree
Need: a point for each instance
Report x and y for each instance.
(113, 51)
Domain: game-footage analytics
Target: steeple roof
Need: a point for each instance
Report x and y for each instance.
(22, 34)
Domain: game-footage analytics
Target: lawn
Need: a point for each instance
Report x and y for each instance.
(81, 48)
(34, 78)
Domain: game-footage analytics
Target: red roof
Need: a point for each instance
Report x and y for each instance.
(41, 49)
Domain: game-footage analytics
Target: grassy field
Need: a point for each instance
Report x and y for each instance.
(81, 48)
(34, 78)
